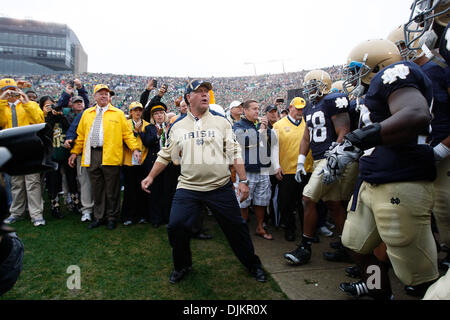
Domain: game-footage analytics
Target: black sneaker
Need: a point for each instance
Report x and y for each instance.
(299, 256)
(359, 289)
(177, 276)
(418, 290)
(340, 255)
(353, 272)
(336, 245)
(355, 289)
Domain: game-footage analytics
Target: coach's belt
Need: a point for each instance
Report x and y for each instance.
(97, 148)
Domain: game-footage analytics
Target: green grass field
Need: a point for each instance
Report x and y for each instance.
(131, 262)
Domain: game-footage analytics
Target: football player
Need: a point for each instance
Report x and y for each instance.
(393, 200)
(440, 133)
(428, 23)
(327, 121)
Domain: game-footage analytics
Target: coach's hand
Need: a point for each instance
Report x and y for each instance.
(146, 183)
(243, 191)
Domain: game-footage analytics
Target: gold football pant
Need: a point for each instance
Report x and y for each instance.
(399, 214)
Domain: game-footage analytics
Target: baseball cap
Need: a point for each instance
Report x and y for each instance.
(234, 104)
(298, 103)
(7, 83)
(135, 105)
(195, 84)
(270, 108)
(101, 87)
(77, 99)
(157, 106)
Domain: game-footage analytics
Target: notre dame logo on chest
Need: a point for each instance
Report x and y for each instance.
(58, 136)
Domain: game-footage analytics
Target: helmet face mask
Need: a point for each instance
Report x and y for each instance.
(397, 36)
(317, 83)
(354, 72)
(423, 14)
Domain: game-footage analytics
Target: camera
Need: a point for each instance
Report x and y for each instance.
(72, 83)
(13, 93)
(56, 107)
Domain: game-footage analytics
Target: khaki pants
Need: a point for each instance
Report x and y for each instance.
(105, 182)
(86, 197)
(399, 214)
(26, 190)
(441, 207)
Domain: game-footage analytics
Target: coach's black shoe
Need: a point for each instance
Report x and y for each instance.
(259, 274)
(419, 290)
(340, 255)
(299, 256)
(202, 236)
(353, 272)
(177, 276)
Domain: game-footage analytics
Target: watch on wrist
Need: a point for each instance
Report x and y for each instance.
(244, 181)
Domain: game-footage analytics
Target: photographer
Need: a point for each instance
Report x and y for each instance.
(144, 100)
(16, 110)
(66, 97)
(58, 123)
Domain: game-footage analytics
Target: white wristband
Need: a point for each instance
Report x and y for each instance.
(301, 158)
(441, 151)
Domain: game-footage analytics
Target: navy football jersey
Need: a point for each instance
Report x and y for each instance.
(444, 45)
(411, 161)
(440, 124)
(318, 119)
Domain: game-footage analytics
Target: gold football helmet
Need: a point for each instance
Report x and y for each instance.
(397, 36)
(316, 83)
(367, 59)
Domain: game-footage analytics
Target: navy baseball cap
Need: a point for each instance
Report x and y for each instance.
(270, 108)
(195, 84)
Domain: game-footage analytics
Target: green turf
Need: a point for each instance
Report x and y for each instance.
(131, 262)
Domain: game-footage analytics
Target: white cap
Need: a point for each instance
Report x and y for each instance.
(217, 108)
(234, 104)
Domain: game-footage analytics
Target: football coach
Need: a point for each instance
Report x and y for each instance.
(203, 143)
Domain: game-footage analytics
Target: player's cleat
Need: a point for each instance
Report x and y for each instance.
(418, 290)
(355, 289)
(299, 256)
(340, 255)
(353, 272)
(359, 289)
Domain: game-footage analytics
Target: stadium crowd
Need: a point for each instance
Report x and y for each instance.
(263, 88)
(356, 155)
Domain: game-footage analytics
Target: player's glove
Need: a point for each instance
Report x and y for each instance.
(300, 168)
(338, 157)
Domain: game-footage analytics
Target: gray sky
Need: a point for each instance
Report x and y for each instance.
(216, 38)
